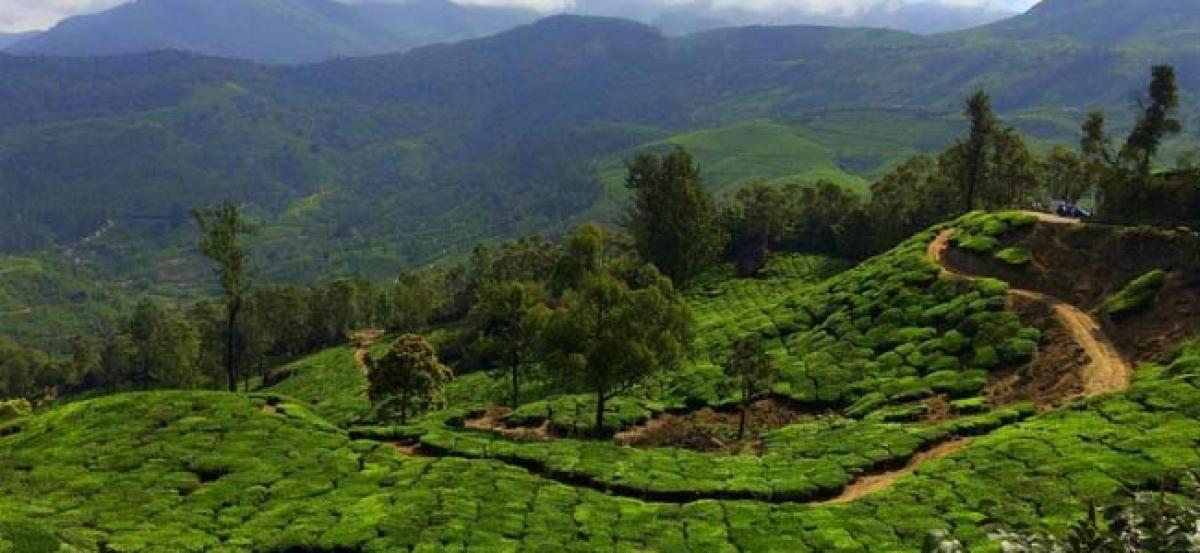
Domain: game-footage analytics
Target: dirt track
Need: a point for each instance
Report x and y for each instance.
(878, 482)
(1106, 371)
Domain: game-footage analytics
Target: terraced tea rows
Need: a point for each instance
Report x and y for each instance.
(185, 471)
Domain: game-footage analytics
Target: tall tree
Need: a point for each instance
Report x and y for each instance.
(607, 335)
(751, 369)
(757, 220)
(407, 374)
(1065, 175)
(978, 110)
(222, 230)
(672, 217)
(508, 327)
(1156, 122)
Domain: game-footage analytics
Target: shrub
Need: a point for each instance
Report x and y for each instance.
(1015, 256)
(1137, 295)
(14, 408)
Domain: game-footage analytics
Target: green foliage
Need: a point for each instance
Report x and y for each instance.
(802, 462)
(1017, 256)
(1140, 522)
(408, 377)
(609, 335)
(331, 382)
(672, 219)
(14, 409)
(221, 230)
(1136, 295)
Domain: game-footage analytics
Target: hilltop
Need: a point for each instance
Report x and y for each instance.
(268, 31)
(916, 385)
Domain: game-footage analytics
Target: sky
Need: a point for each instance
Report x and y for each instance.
(25, 15)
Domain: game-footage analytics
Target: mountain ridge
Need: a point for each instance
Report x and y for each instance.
(269, 31)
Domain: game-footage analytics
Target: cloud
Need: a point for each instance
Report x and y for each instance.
(26, 15)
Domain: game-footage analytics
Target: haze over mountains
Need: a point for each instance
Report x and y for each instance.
(298, 31)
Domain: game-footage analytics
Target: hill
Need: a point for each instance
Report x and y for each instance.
(270, 31)
(370, 166)
(886, 442)
(1140, 24)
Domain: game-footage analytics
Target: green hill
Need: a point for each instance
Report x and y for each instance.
(283, 469)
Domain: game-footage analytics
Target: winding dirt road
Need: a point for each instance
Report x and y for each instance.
(1106, 371)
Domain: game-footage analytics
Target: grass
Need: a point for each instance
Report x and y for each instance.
(1137, 295)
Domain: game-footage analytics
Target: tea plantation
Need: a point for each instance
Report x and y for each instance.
(864, 353)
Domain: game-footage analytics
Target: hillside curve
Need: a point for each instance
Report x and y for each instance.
(1107, 370)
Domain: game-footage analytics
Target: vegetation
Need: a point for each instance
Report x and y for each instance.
(407, 377)
(1138, 294)
(221, 228)
(751, 369)
(884, 385)
(672, 217)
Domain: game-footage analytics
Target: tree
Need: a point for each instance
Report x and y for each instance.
(408, 372)
(165, 349)
(1013, 173)
(1156, 122)
(752, 370)
(607, 335)
(410, 304)
(672, 217)
(508, 326)
(975, 150)
(222, 229)
(1065, 175)
(757, 221)
(910, 198)
(1095, 146)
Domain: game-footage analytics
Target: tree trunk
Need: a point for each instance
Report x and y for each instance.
(230, 320)
(742, 422)
(599, 431)
(516, 388)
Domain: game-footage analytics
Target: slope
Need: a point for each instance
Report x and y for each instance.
(431, 151)
(197, 470)
(271, 31)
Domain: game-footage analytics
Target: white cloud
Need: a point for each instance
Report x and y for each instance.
(26, 15)
(23, 15)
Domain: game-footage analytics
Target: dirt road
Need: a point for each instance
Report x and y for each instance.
(1107, 371)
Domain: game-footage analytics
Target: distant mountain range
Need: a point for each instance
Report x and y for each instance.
(271, 31)
(8, 39)
(371, 165)
(300, 31)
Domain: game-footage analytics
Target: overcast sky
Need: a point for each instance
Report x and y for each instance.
(23, 15)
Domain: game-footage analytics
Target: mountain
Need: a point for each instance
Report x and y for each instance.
(1160, 24)
(919, 17)
(271, 31)
(369, 166)
(8, 39)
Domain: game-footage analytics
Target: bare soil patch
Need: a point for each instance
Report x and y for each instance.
(492, 420)
(714, 431)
